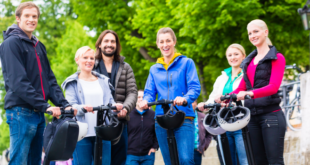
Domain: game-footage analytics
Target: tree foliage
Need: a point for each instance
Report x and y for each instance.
(63, 64)
(204, 29)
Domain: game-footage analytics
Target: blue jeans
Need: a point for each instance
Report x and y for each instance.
(26, 135)
(197, 157)
(119, 150)
(140, 160)
(84, 152)
(185, 142)
(236, 146)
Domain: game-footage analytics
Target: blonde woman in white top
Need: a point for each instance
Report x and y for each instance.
(226, 83)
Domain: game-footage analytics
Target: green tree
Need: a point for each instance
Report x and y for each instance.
(206, 28)
(63, 64)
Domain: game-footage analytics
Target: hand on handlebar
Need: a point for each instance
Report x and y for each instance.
(179, 101)
(242, 94)
(143, 104)
(217, 98)
(74, 109)
(201, 107)
(118, 106)
(88, 108)
(55, 110)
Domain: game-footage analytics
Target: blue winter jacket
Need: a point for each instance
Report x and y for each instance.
(180, 79)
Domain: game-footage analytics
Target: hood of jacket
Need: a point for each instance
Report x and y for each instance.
(17, 31)
(75, 77)
(161, 60)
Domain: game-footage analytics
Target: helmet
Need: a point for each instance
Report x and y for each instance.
(110, 132)
(83, 129)
(111, 129)
(172, 119)
(211, 124)
(235, 118)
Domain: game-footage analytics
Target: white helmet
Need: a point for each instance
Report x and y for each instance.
(235, 118)
(83, 129)
(211, 124)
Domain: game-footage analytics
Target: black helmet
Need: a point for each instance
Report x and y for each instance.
(112, 130)
(172, 119)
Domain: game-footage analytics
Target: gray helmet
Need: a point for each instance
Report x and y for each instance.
(211, 124)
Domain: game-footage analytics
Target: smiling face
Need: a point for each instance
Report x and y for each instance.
(166, 44)
(140, 98)
(257, 35)
(234, 57)
(86, 61)
(108, 45)
(28, 20)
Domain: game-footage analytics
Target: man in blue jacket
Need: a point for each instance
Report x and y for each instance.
(29, 83)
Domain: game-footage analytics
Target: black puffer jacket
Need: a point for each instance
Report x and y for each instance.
(261, 79)
(29, 80)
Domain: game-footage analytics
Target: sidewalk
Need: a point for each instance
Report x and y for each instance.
(292, 152)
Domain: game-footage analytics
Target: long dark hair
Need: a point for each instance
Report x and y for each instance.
(98, 54)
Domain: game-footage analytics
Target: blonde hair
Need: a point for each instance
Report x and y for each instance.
(262, 25)
(237, 46)
(166, 30)
(22, 6)
(81, 51)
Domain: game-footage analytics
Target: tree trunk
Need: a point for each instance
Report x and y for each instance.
(201, 79)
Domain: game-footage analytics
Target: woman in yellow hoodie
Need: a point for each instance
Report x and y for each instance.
(173, 77)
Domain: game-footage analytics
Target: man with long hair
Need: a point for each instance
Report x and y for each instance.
(110, 63)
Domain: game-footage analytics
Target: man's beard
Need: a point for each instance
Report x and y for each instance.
(106, 53)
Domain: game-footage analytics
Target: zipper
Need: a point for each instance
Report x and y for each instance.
(171, 79)
(40, 69)
(168, 83)
(271, 124)
(141, 134)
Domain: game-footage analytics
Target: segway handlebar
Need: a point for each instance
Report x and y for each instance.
(163, 102)
(233, 97)
(101, 108)
(63, 111)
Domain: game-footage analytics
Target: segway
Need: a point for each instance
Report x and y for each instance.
(60, 137)
(105, 131)
(221, 137)
(245, 130)
(171, 120)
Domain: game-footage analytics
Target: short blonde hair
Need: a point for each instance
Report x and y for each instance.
(166, 30)
(262, 25)
(82, 51)
(237, 46)
(22, 6)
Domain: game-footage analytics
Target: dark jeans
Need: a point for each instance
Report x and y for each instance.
(267, 133)
(119, 151)
(197, 157)
(140, 160)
